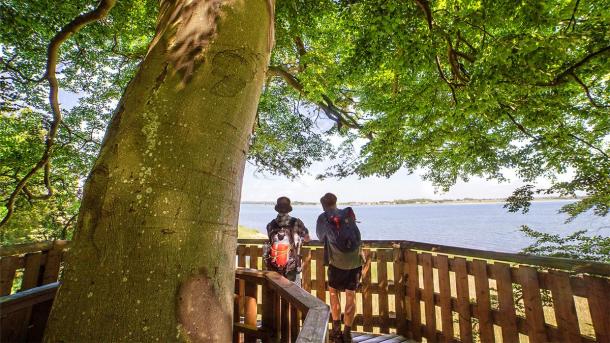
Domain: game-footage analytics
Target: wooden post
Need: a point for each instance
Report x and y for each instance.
(481, 285)
(320, 275)
(563, 304)
(367, 294)
(508, 317)
(51, 268)
(534, 314)
(270, 313)
(399, 293)
(8, 266)
(285, 325)
(241, 262)
(294, 323)
(254, 254)
(306, 270)
(445, 294)
(428, 296)
(463, 299)
(250, 309)
(382, 283)
(413, 290)
(236, 315)
(599, 306)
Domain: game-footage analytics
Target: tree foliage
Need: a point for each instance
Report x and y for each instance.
(456, 88)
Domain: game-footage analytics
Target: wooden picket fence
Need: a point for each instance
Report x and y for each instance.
(423, 291)
(439, 293)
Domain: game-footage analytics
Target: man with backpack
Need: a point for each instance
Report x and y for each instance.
(337, 229)
(286, 235)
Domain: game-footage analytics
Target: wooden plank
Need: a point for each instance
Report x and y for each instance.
(484, 314)
(306, 268)
(400, 299)
(21, 319)
(463, 299)
(590, 267)
(236, 314)
(255, 252)
(31, 274)
(382, 280)
(16, 309)
(320, 275)
(51, 267)
(20, 249)
(241, 262)
(599, 306)
(315, 325)
(413, 287)
(294, 323)
(361, 337)
(285, 325)
(508, 316)
(379, 339)
(8, 266)
(38, 322)
(445, 297)
(270, 313)
(563, 304)
(428, 297)
(250, 309)
(532, 301)
(367, 294)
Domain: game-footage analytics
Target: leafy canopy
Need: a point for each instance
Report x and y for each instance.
(457, 88)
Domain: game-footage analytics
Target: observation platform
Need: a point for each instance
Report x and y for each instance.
(410, 292)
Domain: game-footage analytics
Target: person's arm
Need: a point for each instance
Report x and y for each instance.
(303, 232)
(320, 228)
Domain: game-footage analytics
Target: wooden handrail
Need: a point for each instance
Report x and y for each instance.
(20, 249)
(314, 327)
(28, 298)
(567, 264)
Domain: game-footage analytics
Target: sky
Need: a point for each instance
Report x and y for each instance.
(265, 187)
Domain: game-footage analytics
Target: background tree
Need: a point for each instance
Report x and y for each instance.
(457, 88)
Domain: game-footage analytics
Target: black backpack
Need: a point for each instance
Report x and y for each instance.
(344, 229)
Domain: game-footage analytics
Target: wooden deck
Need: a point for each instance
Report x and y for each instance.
(365, 337)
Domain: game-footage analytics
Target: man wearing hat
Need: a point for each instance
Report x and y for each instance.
(286, 235)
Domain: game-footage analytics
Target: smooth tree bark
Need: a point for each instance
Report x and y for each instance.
(153, 257)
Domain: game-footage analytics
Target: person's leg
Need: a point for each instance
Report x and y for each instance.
(335, 304)
(350, 302)
(335, 311)
(350, 307)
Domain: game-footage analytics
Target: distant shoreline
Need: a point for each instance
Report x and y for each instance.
(465, 201)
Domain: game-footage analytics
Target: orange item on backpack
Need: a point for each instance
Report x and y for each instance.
(279, 253)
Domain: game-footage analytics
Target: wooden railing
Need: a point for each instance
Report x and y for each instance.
(442, 293)
(284, 304)
(418, 290)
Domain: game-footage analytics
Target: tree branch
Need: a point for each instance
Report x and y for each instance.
(589, 145)
(561, 78)
(442, 75)
(338, 115)
(50, 75)
(587, 92)
(8, 66)
(573, 17)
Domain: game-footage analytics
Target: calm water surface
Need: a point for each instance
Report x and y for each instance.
(480, 226)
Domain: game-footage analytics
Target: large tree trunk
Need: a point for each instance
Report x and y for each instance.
(153, 257)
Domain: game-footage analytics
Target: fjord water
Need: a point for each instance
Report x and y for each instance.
(485, 226)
